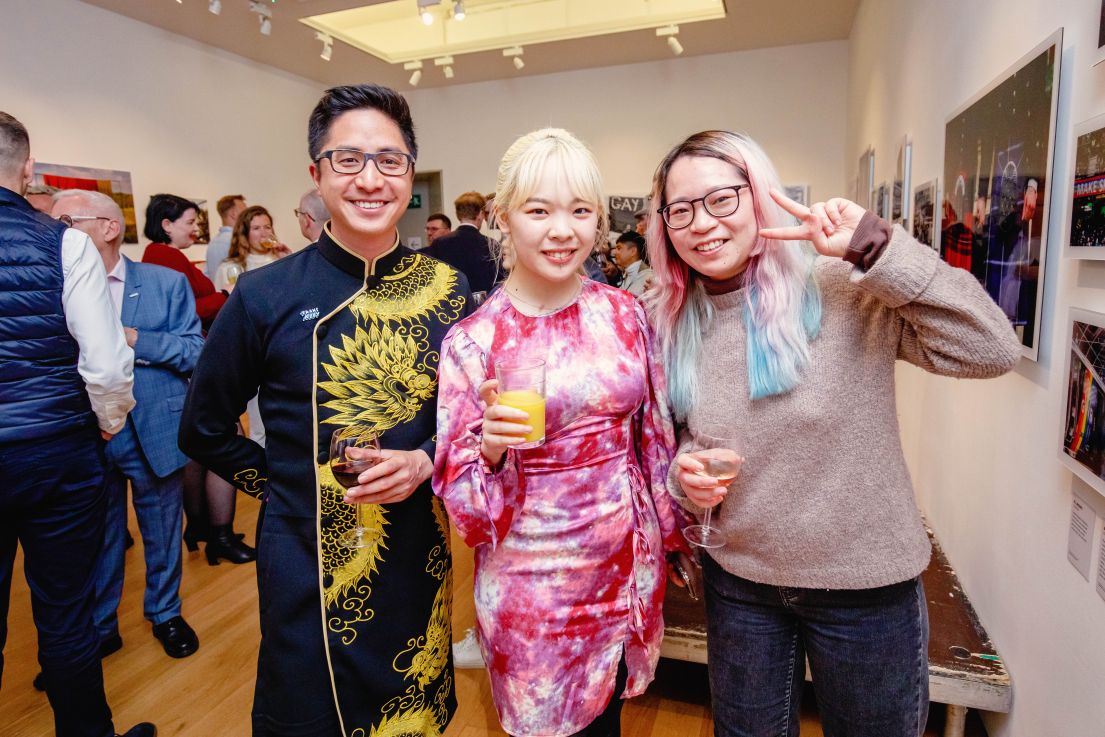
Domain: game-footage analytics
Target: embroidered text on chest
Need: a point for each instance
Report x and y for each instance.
(309, 314)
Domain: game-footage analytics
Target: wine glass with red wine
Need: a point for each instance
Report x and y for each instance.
(354, 450)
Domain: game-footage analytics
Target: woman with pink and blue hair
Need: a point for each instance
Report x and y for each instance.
(780, 327)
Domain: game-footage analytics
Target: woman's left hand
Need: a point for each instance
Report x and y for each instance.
(829, 226)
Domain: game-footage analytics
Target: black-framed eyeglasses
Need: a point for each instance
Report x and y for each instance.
(719, 202)
(303, 214)
(70, 220)
(352, 161)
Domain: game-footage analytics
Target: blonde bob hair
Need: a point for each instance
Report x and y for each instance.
(525, 161)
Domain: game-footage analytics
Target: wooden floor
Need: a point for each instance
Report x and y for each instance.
(209, 694)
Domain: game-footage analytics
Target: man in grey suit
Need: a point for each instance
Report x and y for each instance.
(160, 322)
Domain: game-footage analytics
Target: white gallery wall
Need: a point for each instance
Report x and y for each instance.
(984, 454)
(97, 89)
(790, 99)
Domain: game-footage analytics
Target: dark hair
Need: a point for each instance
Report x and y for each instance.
(15, 144)
(164, 207)
(638, 241)
(340, 100)
(443, 218)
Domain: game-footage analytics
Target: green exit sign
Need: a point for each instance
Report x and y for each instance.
(416, 202)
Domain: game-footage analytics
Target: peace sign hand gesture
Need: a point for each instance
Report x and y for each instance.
(829, 226)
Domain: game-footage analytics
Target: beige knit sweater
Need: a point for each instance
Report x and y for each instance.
(824, 499)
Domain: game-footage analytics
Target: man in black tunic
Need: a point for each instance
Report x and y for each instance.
(346, 332)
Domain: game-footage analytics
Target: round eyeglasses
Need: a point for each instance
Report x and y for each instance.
(720, 203)
(352, 161)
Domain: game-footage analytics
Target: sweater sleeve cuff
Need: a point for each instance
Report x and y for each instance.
(868, 242)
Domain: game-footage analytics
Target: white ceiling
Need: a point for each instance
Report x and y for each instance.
(292, 47)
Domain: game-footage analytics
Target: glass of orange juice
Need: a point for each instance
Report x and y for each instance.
(522, 386)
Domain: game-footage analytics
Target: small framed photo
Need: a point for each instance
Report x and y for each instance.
(1086, 207)
(924, 215)
(882, 201)
(899, 203)
(800, 193)
(1083, 434)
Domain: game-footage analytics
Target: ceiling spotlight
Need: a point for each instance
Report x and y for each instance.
(458, 10)
(264, 14)
(215, 7)
(673, 43)
(416, 68)
(327, 45)
(515, 52)
(425, 12)
(447, 62)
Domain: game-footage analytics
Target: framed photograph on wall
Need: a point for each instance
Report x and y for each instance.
(50, 178)
(899, 193)
(998, 162)
(800, 193)
(865, 196)
(1100, 54)
(882, 201)
(1082, 447)
(1086, 208)
(924, 214)
(623, 212)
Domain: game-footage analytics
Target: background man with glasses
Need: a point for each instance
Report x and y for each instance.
(158, 313)
(342, 334)
(65, 387)
(312, 215)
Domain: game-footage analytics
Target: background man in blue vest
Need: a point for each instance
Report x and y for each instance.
(65, 387)
(159, 320)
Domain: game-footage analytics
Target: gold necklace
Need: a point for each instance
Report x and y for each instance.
(541, 310)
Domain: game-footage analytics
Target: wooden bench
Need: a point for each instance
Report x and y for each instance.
(965, 671)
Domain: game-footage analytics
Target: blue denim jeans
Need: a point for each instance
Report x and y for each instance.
(867, 651)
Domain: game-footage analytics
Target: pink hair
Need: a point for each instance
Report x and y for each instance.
(783, 302)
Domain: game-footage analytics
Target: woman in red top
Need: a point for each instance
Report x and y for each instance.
(208, 500)
(171, 226)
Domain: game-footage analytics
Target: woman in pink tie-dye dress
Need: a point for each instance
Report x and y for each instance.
(570, 537)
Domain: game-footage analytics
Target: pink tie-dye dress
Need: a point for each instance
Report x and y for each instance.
(570, 537)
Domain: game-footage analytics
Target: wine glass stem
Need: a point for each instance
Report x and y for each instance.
(706, 524)
(362, 514)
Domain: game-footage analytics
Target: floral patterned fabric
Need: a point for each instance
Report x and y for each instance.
(569, 536)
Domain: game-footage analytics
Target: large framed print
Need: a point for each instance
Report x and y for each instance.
(1086, 207)
(50, 178)
(1083, 433)
(998, 154)
(1099, 55)
(924, 214)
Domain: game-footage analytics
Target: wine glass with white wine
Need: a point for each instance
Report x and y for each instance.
(720, 461)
